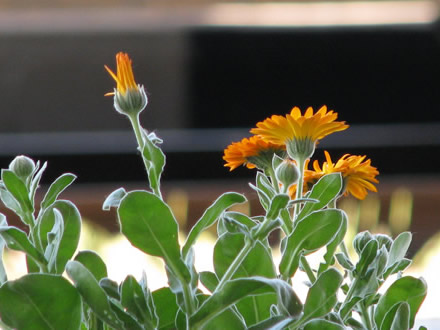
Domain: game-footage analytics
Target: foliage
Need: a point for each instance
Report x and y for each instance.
(247, 288)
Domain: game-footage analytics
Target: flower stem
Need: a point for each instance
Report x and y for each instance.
(365, 316)
(248, 244)
(299, 186)
(227, 276)
(137, 128)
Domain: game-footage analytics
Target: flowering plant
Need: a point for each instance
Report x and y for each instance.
(248, 289)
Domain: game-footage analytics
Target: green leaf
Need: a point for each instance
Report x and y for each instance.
(257, 262)
(56, 188)
(333, 245)
(94, 296)
(54, 239)
(70, 236)
(354, 324)
(189, 262)
(40, 302)
(344, 261)
(114, 199)
(166, 307)
(348, 307)
(32, 266)
(126, 319)
(311, 233)
(381, 260)
(319, 324)
(149, 225)
(148, 296)
(264, 190)
(110, 287)
(143, 215)
(406, 289)
(398, 267)
(18, 190)
(133, 300)
(237, 289)
(228, 319)
(210, 216)
(36, 177)
(16, 239)
(399, 248)
(240, 218)
(367, 256)
(3, 275)
(367, 284)
(209, 280)
(401, 318)
(277, 203)
(10, 202)
(321, 297)
(154, 160)
(235, 222)
(398, 251)
(325, 190)
(272, 322)
(276, 161)
(93, 262)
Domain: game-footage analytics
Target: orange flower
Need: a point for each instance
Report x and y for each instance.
(124, 74)
(299, 132)
(129, 97)
(358, 174)
(253, 152)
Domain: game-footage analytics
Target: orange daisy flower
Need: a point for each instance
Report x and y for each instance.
(358, 174)
(299, 132)
(252, 152)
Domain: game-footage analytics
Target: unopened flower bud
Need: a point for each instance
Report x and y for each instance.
(129, 97)
(132, 102)
(22, 166)
(287, 173)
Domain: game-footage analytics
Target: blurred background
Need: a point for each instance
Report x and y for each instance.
(212, 70)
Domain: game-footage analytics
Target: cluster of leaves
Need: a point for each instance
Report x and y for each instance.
(247, 290)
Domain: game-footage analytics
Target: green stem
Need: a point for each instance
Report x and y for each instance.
(137, 128)
(234, 265)
(353, 286)
(188, 298)
(299, 186)
(227, 276)
(365, 316)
